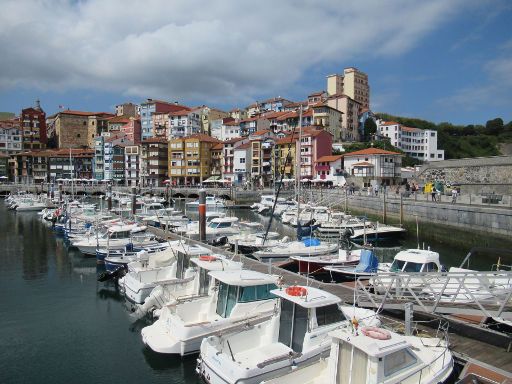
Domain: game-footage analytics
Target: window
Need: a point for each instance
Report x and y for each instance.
(397, 361)
(328, 315)
(242, 160)
(254, 293)
(397, 265)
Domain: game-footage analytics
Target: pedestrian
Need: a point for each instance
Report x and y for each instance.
(376, 189)
(397, 190)
(433, 194)
(454, 195)
(369, 190)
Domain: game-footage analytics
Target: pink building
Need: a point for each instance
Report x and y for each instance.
(314, 144)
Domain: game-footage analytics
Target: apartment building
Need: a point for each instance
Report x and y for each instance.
(241, 171)
(261, 157)
(132, 170)
(329, 167)
(314, 143)
(184, 123)
(208, 115)
(350, 121)
(317, 97)
(352, 83)
(155, 161)
(99, 158)
(216, 161)
(418, 143)
(285, 151)
(225, 129)
(190, 159)
(228, 157)
(238, 114)
(33, 127)
(127, 109)
(147, 111)
(10, 137)
(329, 118)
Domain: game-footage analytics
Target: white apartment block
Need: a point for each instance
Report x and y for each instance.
(132, 171)
(184, 123)
(10, 140)
(225, 131)
(418, 143)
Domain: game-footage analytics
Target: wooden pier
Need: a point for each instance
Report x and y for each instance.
(463, 348)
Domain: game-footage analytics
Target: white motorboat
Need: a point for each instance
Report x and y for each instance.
(248, 243)
(159, 268)
(375, 355)
(115, 237)
(295, 336)
(377, 232)
(221, 226)
(305, 247)
(30, 204)
(172, 291)
(409, 260)
(212, 202)
(315, 264)
(308, 214)
(194, 225)
(242, 299)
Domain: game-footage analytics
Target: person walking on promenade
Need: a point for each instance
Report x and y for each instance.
(376, 189)
(433, 193)
(454, 195)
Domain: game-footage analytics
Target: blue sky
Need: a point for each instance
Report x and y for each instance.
(441, 60)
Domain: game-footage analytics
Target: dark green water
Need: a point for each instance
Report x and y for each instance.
(58, 325)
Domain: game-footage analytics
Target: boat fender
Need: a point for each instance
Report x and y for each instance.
(376, 333)
(295, 290)
(207, 258)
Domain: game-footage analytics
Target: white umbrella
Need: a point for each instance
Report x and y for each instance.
(3, 177)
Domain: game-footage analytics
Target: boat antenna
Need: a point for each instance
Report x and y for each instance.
(287, 160)
(417, 232)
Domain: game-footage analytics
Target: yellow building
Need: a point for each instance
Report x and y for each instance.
(190, 159)
(285, 164)
(353, 83)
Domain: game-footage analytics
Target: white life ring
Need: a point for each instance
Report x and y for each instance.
(376, 333)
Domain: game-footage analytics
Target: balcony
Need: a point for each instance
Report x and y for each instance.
(322, 167)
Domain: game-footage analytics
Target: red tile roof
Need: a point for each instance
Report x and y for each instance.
(363, 164)
(243, 146)
(409, 129)
(287, 140)
(182, 112)
(390, 123)
(202, 137)
(329, 158)
(234, 140)
(371, 151)
(260, 133)
(218, 146)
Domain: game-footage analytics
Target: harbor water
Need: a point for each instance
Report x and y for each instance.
(59, 325)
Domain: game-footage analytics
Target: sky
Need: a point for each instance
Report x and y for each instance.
(440, 60)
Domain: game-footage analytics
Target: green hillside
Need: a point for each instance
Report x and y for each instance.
(459, 141)
(6, 115)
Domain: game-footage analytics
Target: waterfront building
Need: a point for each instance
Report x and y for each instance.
(114, 162)
(114, 125)
(4, 167)
(228, 157)
(353, 83)
(315, 142)
(155, 161)
(161, 124)
(190, 159)
(183, 123)
(329, 118)
(261, 157)
(99, 158)
(241, 171)
(374, 166)
(127, 109)
(151, 106)
(328, 168)
(10, 137)
(285, 156)
(290, 121)
(216, 161)
(99, 125)
(33, 127)
(350, 109)
(132, 130)
(132, 171)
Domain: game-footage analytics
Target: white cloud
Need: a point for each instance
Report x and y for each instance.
(215, 51)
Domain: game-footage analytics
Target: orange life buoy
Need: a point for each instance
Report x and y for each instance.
(296, 291)
(207, 258)
(376, 333)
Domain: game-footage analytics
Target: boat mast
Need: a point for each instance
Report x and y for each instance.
(72, 173)
(298, 165)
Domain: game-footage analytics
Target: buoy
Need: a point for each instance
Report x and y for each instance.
(376, 333)
(207, 258)
(296, 291)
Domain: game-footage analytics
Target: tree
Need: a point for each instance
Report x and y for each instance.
(494, 127)
(370, 128)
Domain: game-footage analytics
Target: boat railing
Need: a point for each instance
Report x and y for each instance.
(487, 293)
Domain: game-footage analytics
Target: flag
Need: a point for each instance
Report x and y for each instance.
(61, 107)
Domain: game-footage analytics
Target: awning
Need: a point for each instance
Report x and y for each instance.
(211, 179)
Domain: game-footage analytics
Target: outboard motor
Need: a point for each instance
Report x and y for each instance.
(112, 275)
(220, 241)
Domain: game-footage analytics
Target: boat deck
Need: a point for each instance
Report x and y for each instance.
(464, 348)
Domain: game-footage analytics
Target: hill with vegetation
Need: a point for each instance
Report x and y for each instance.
(460, 141)
(6, 115)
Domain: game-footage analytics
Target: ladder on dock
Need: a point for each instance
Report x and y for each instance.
(486, 294)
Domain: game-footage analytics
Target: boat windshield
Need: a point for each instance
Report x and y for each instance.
(182, 263)
(352, 365)
(204, 281)
(397, 266)
(229, 295)
(293, 324)
(219, 225)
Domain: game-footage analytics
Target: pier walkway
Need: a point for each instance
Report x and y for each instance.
(463, 348)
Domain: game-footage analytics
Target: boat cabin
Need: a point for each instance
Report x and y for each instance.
(305, 310)
(123, 231)
(241, 287)
(222, 222)
(416, 260)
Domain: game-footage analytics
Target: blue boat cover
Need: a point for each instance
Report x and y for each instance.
(311, 241)
(367, 263)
